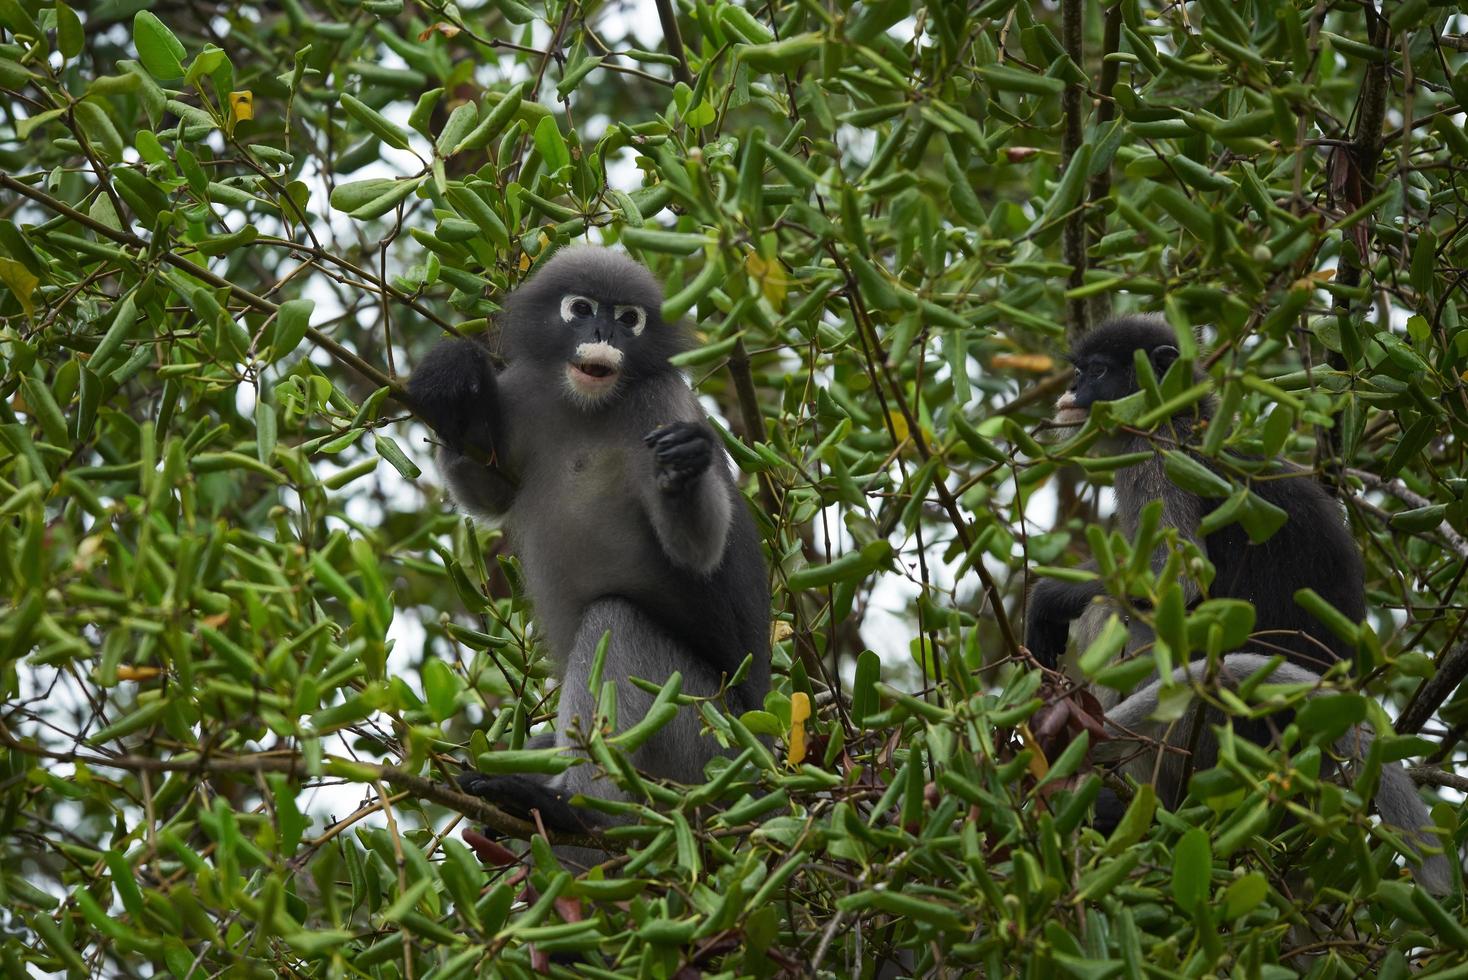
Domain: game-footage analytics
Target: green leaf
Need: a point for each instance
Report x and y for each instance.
(459, 124)
(70, 37)
(160, 52)
(781, 56)
(389, 450)
(864, 700)
(441, 688)
(849, 567)
(552, 146)
(291, 321)
(1135, 821)
(204, 64)
(1189, 474)
(21, 282)
(1192, 869)
(1244, 895)
(383, 128)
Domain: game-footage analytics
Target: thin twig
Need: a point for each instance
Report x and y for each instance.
(259, 303)
(669, 18)
(1073, 234)
(1433, 692)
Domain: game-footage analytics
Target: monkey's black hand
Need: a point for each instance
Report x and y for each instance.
(518, 795)
(1046, 639)
(682, 450)
(1110, 808)
(1051, 607)
(453, 390)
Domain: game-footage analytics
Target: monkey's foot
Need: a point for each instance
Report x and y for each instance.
(682, 450)
(519, 795)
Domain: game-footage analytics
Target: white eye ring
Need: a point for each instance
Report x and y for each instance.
(637, 325)
(570, 300)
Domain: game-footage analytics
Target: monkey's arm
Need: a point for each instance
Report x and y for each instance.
(455, 392)
(689, 504)
(1053, 604)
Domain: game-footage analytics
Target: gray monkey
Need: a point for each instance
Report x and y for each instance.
(1313, 549)
(1397, 799)
(619, 502)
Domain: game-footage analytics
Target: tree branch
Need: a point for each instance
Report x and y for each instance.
(295, 767)
(1073, 234)
(669, 18)
(1432, 693)
(1398, 489)
(258, 303)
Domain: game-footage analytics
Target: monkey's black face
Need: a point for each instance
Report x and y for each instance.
(1104, 366)
(590, 323)
(602, 339)
(1100, 378)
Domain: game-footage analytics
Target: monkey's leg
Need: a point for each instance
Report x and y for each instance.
(691, 503)
(638, 648)
(517, 795)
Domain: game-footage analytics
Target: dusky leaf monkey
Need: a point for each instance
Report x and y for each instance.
(617, 498)
(1312, 548)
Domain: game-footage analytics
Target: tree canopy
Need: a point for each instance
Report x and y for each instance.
(247, 642)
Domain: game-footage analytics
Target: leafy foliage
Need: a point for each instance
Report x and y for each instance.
(246, 646)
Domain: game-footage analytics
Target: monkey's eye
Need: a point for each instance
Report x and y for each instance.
(1097, 370)
(633, 318)
(576, 307)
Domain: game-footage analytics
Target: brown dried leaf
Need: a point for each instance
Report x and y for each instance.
(490, 852)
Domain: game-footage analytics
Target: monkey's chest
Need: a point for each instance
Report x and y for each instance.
(581, 527)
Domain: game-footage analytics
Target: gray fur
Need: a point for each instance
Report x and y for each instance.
(622, 509)
(1142, 483)
(1397, 799)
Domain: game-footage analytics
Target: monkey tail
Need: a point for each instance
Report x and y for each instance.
(1397, 799)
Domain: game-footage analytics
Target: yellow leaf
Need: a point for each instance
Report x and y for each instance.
(242, 105)
(770, 275)
(780, 630)
(1033, 363)
(899, 425)
(799, 712)
(127, 673)
(21, 282)
(1039, 766)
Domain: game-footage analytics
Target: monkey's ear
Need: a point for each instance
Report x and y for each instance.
(1162, 358)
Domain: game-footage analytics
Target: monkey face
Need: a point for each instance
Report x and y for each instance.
(589, 322)
(1100, 378)
(600, 334)
(1105, 367)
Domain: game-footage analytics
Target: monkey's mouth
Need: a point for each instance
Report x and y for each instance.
(1071, 417)
(593, 370)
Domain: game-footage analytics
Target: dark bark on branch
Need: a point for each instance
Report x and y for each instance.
(295, 767)
(1072, 104)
